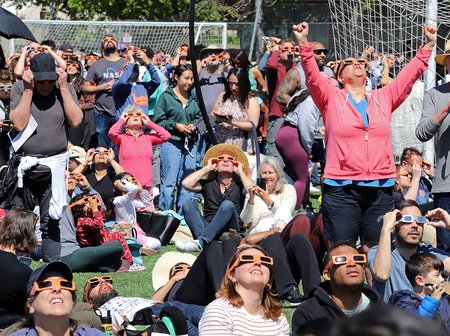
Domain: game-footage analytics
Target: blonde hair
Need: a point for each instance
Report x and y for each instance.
(271, 307)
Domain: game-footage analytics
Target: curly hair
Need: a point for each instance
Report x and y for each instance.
(272, 309)
(17, 230)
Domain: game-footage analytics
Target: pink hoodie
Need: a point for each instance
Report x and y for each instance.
(354, 152)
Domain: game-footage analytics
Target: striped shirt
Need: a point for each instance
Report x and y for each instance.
(221, 318)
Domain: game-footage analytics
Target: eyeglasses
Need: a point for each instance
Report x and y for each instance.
(409, 219)
(109, 39)
(5, 87)
(233, 83)
(403, 172)
(249, 258)
(293, 49)
(351, 61)
(225, 158)
(37, 49)
(48, 284)
(85, 200)
(321, 51)
(94, 282)
(41, 82)
(345, 258)
(179, 268)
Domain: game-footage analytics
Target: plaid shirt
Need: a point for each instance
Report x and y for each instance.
(91, 231)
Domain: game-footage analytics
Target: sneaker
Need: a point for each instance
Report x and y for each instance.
(188, 246)
(292, 298)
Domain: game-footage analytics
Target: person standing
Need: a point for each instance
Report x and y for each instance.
(42, 104)
(99, 81)
(434, 123)
(360, 169)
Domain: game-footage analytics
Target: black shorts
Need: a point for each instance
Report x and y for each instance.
(352, 211)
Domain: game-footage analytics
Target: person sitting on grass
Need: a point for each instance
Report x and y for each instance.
(88, 214)
(427, 298)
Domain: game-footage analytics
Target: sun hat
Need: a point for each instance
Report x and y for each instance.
(209, 49)
(53, 268)
(77, 153)
(440, 59)
(161, 270)
(43, 67)
(232, 150)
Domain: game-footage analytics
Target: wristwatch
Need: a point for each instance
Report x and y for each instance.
(271, 206)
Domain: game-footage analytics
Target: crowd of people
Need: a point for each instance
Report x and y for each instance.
(96, 144)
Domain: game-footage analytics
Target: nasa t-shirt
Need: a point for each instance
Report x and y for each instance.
(103, 71)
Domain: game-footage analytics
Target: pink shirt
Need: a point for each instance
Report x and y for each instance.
(135, 153)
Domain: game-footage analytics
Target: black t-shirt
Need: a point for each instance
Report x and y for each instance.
(13, 286)
(213, 196)
(104, 186)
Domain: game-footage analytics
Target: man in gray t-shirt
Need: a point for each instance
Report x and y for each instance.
(387, 260)
(99, 81)
(37, 100)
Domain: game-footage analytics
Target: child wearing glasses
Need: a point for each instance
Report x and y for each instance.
(134, 134)
(90, 227)
(427, 297)
(130, 198)
(247, 304)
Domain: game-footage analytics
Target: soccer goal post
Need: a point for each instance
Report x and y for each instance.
(87, 35)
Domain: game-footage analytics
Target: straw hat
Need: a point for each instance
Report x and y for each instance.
(160, 273)
(440, 59)
(232, 150)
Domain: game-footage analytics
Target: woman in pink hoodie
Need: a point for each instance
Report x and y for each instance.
(360, 169)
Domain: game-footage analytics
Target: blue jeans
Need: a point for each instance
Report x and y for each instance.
(192, 312)
(103, 123)
(176, 164)
(226, 217)
(442, 200)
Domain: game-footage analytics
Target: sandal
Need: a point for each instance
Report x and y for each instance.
(136, 268)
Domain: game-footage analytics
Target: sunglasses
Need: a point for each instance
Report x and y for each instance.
(249, 258)
(62, 283)
(46, 82)
(92, 58)
(69, 56)
(321, 51)
(134, 114)
(96, 151)
(219, 57)
(109, 39)
(179, 268)
(5, 87)
(424, 165)
(409, 219)
(345, 258)
(94, 282)
(285, 49)
(403, 172)
(351, 61)
(73, 65)
(225, 158)
(38, 49)
(84, 200)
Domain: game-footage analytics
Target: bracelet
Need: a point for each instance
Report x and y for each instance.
(271, 206)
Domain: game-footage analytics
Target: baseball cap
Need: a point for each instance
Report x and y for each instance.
(43, 67)
(53, 268)
(77, 153)
(66, 47)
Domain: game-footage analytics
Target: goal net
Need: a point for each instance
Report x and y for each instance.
(87, 35)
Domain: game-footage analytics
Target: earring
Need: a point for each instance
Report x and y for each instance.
(234, 283)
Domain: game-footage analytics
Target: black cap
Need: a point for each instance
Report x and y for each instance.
(66, 47)
(43, 67)
(53, 268)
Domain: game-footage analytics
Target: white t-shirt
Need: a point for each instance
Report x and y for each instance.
(221, 318)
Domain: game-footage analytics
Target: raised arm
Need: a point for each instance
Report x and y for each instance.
(288, 86)
(381, 265)
(21, 101)
(72, 111)
(192, 181)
